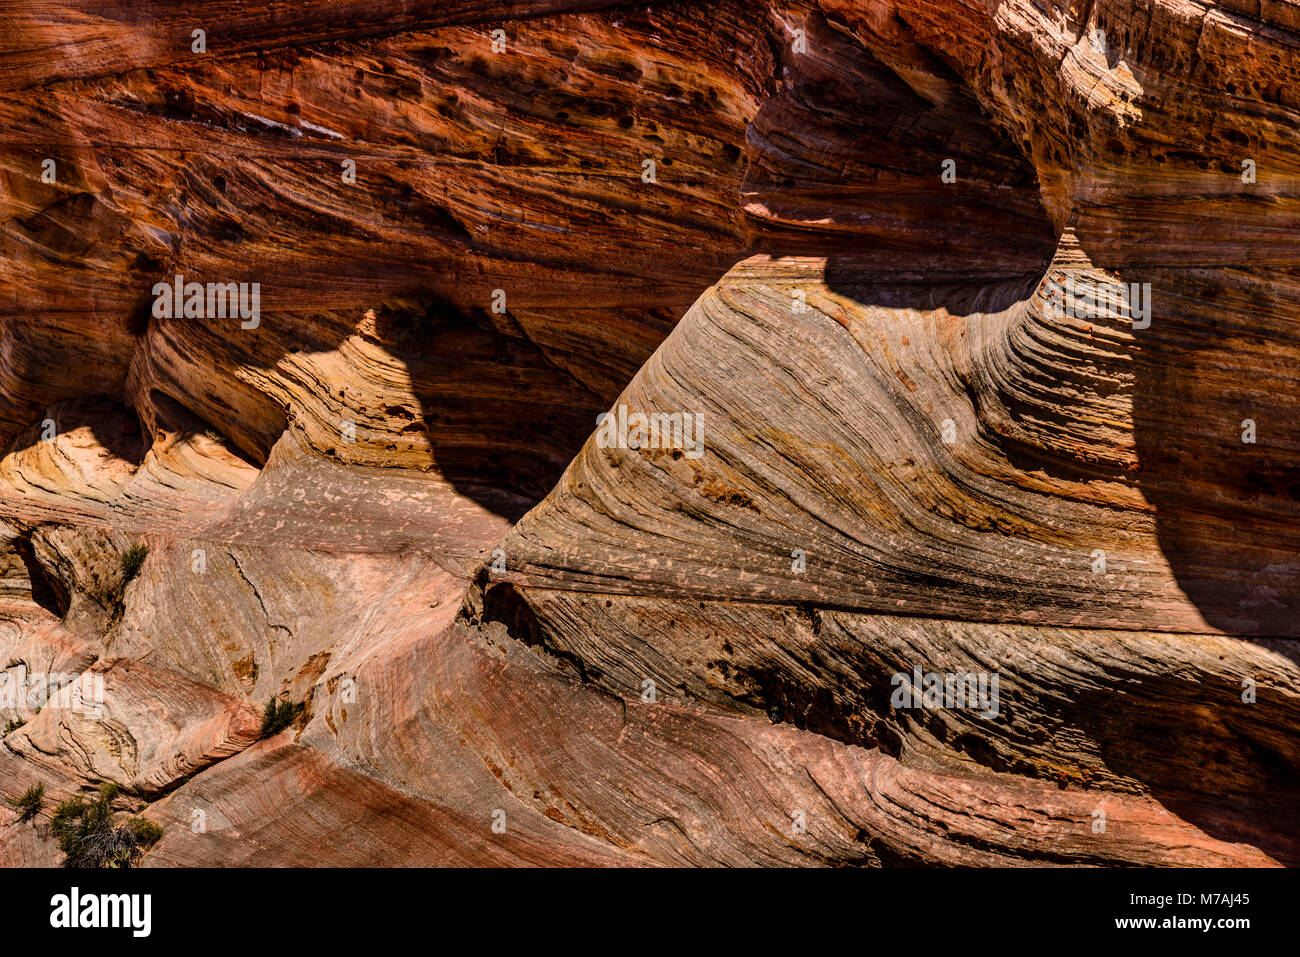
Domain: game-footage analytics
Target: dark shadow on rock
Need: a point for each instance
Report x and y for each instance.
(47, 590)
(173, 416)
(1230, 768)
(503, 422)
(1218, 444)
(113, 425)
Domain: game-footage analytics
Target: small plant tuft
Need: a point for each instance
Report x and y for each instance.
(87, 836)
(278, 715)
(147, 833)
(29, 805)
(11, 727)
(132, 559)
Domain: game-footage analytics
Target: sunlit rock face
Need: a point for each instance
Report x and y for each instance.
(948, 506)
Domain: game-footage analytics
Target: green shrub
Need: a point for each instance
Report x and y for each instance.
(29, 805)
(11, 727)
(132, 559)
(278, 715)
(147, 833)
(87, 836)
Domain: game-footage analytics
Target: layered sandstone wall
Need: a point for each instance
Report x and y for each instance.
(863, 259)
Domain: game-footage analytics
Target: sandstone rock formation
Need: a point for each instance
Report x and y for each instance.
(865, 244)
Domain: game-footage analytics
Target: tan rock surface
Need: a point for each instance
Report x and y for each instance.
(389, 502)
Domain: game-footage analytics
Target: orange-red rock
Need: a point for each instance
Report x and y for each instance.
(923, 443)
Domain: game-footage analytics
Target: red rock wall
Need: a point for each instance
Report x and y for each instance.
(922, 443)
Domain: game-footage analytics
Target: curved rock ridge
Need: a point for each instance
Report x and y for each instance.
(966, 533)
(911, 442)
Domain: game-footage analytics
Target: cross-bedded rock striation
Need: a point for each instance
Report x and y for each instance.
(969, 335)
